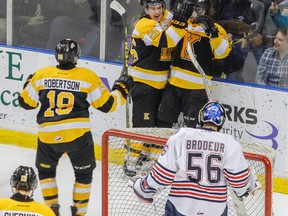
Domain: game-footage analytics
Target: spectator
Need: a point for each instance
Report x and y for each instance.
(237, 11)
(255, 46)
(23, 182)
(237, 18)
(273, 66)
(65, 94)
(199, 176)
(34, 31)
(78, 19)
(279, 20)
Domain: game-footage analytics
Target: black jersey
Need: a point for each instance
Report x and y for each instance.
(152, 45)
(183, 73)
(65, 96)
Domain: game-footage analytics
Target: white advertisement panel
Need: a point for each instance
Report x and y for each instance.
(254, 113)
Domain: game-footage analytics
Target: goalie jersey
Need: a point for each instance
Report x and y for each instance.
(197, 163)
(152, 45)
(65, 96)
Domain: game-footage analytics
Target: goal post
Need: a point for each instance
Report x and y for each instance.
(118, 197)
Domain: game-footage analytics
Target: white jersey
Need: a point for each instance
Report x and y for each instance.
(198, 163)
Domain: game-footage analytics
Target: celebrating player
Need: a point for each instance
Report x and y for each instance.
(23, 182)
(65, 93)
(152, 41)
(185, 90)
(198, 164)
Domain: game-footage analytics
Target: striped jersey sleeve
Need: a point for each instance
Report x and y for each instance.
(197, 165)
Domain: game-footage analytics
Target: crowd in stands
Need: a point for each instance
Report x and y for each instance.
(251, 25)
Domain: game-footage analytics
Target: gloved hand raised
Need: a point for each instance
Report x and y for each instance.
(181, 15)
(208, 25)
(124, 84)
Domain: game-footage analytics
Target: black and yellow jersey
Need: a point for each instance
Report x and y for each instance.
(152, 45)
(17, 206)
(65, 96)
(183, 72)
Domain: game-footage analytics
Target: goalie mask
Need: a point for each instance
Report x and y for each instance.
(24, 178)
(67, 51)
(212, 112)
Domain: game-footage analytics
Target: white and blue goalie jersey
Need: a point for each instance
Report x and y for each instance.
(198, 164)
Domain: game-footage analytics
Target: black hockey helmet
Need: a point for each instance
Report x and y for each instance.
(67, 51)
(194, 2)
(202, 6)
(147, 3)
(24, 178)
(213, 112)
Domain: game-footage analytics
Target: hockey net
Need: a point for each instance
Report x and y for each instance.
(117, 194)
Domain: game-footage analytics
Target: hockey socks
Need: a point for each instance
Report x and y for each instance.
(81, 194)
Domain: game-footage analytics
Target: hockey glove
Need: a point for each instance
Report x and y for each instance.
(208, 25)
(254, 184)
(27, 80)
(182, 15)
(143, 192)
(124, 84)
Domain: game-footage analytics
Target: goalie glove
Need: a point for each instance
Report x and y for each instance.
(27, 80)
(207, 24)
(142, 190)
(254, 184)
(181, 15)
(123, 84)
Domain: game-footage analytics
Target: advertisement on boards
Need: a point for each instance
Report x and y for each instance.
(255, 114)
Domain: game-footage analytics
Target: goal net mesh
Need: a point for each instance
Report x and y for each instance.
(118, 197)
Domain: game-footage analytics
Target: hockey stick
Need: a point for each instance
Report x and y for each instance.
(201, 71)
(115, 5)
(238, 203)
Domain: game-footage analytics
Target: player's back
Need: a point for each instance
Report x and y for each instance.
(65, 96)
(205, 158)
(14, 207)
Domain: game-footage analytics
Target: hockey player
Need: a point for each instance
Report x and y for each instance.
(152, 41)
(185, 91)
(65, 93)
(198, 164)
(23, 182)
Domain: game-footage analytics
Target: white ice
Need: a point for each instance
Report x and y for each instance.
(11, 157)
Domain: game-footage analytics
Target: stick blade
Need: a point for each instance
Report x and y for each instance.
(117, 7)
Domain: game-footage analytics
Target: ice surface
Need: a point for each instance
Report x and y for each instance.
(11, 157)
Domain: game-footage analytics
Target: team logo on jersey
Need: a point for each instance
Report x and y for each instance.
(164, 150)
(102, 87)
(271, 136)
(146, 116)
(58, 138)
